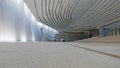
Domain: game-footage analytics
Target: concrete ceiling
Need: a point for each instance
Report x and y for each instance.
(75, 15)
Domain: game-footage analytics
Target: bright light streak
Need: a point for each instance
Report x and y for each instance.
(33, 38)
(46, 27)
(26, 9)
(40, 24)
(23, 37)
(33, 18)
(17, 1)
(7, 37)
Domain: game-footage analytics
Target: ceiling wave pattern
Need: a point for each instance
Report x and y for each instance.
(75, 15)
(60, 13)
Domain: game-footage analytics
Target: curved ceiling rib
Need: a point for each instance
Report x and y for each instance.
(72, 9)
(60, 13)
(64, 13)
(51, 13)
(69, 15)
(60, 19)
(38, 12)
(48, 13)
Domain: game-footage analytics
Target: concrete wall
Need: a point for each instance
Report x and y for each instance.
(111, 29)
(17, 23)
(71, 36)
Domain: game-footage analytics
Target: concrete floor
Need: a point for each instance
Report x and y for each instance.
(60, 55)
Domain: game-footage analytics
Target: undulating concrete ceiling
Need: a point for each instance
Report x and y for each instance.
(75, 15)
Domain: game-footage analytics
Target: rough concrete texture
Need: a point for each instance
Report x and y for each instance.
(108, 39)
(58, 55)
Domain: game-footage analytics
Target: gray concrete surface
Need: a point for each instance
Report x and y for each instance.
(59, 55)
(110, 48)
(107, 39)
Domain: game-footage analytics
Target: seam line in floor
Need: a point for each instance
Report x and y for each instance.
(88, 49)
